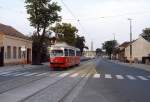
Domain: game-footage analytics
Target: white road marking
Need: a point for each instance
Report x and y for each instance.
(8, 74)
(108, 76)
(30, 74)
(142, 78)
(15, 73)
(4, 73)
(96, 76)
(63, 75)
(148, 76)
(119, 77)
(131, 77)
(41, 74)
(83, 76)
(53, 74)
(22, 73)
(74, 75)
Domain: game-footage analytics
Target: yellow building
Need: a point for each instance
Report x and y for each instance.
(90, 54)
(15, 48)
(140, 49)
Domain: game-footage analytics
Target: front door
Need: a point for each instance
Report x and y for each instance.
(1, 56)
(28, 55)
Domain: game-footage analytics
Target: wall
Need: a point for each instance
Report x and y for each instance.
(89, 53)
(1, 39)
(17, 42)
(140, 48)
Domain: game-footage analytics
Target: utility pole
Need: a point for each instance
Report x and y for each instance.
(130, 40)
(91, 45)
(114, 36)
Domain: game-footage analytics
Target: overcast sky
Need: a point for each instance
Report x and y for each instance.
(98, 19)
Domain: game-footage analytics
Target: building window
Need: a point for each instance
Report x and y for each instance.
(19, 52)
(8, 52)
(14, 52)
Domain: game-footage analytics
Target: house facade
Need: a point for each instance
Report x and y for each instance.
(119, 52)
(15, 48)
(140, 49)
(90, 54)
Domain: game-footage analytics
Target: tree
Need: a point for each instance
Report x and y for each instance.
(80, 43)
(146, 33)
(42, 13)
(65, 32)
(109, 46)
(98, 51)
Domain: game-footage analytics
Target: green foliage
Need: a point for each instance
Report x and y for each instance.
(65, 32)
(146, 34)
(42, 13)
(98, 51)
(80, 43)
(109, 46)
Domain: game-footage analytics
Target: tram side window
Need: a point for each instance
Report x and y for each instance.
(71, 53)
(78, 53)
(66, 52)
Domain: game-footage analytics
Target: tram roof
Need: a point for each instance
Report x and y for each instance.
(64, 45)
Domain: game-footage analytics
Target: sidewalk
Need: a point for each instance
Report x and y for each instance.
(139, 66)
(21, 67)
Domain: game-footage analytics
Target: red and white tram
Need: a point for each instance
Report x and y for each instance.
(64, 56)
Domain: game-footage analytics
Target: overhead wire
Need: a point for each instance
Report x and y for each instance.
(75, 18)
(118, 15)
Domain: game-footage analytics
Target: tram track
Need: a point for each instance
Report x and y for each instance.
(21, 81)
(78, 69)
(85, 69)
(67, 95)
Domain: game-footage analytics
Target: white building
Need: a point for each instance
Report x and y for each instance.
(11, 42)
(140, 48)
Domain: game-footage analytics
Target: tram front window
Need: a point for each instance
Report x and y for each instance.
(55, 53)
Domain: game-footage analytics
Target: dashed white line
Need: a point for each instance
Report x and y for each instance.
(8, 74)
(142, 78)
(30, 74)
(63, 75)
(41, 74)
(96, 76)
(108, 76)
(74, 75)
(130, 77)
(4, 73)
(119, 77)
(22, 73)
(82, 75)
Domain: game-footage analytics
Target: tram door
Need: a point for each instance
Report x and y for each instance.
(1, 56)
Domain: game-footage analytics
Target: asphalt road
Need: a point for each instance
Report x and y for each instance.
(41, 84)
(116, 83)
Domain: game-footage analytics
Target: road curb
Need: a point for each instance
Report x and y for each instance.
(132, 66)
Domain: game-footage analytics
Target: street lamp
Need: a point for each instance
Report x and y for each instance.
(130, 40)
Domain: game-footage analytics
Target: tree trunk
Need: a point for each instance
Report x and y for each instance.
(36, 58)
(36, 54)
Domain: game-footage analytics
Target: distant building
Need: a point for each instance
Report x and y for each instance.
(92, 46)
(119, 52)
(11, 44)
(90, 54)
(140, 49)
